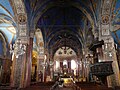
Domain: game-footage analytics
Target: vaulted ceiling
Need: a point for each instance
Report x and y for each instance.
(64, 22)
(116, 22)
(7, 23)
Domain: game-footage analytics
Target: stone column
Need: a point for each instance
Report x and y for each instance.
(84, 62)
(39, 67)
(104, 34)
(17, 74)
(19, 64)
(12, 81)
(44, 73)
(51, 71)
(69, 66)
(61, 65)
(23, 71)
(110, 55)
(18, 67)
(29, 62)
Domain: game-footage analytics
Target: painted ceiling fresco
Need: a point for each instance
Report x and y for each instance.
(7, 27)
(6, 4)
(68, 23)
(6, 20)
(116, 22)
(63, 22)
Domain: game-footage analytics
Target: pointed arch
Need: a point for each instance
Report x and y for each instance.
(3, 39)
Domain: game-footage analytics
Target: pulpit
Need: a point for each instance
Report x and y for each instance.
(102, 70)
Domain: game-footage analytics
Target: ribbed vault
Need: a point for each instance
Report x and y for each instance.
(68, 23)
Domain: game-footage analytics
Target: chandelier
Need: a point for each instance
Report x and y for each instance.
(18, 48)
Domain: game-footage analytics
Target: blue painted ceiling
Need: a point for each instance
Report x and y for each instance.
(6, 21)
(63, 22)
(116, 22)
(6, 4)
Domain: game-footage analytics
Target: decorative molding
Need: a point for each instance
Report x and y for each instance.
(105, 30)
(24, 40)
(22, 30)
(32, 33)
(22, 19)
(19, 6)
(105, 18)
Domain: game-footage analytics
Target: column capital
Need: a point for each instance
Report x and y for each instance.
(32, 33)
(24, 40)
(41, 57)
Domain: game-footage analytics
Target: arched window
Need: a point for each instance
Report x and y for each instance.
(73, 64)
(65, 64)
(57, 65)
